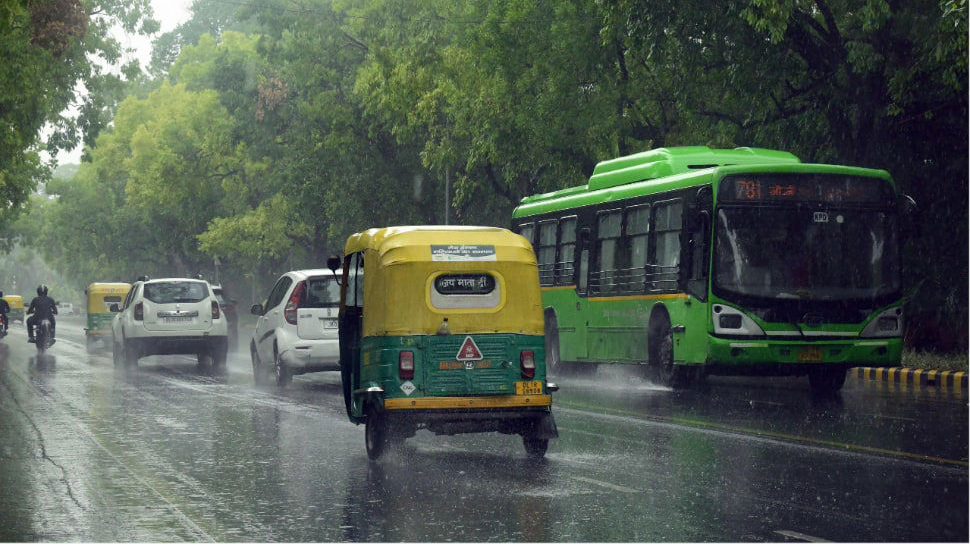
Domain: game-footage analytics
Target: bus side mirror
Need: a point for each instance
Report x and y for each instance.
(909, 217)
(333, 263)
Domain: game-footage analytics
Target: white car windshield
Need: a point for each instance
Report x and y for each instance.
(176, 292)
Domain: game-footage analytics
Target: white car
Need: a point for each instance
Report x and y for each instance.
(169, 316)
(297, 327)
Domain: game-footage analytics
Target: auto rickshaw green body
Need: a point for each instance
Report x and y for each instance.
(441, 328)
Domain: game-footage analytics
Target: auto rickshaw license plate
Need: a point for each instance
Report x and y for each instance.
(811, 353)
(528, 388)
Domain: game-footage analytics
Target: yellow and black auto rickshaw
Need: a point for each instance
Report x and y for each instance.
(100, 297)
(16, 303)
(441, 328)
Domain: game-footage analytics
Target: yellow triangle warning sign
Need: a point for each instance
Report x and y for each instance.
(469, 350)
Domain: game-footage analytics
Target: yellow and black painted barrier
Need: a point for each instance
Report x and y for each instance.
(955, 381)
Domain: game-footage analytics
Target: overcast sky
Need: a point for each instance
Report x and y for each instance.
(170, 13)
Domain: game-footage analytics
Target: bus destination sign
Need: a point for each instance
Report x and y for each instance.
(805, 188)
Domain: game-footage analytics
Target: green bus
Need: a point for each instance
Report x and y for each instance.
(695, 261)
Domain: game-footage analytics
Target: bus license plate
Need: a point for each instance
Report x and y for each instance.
(811, 353)
(528, 388)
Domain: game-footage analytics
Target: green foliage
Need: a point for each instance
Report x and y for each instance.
(274, 129)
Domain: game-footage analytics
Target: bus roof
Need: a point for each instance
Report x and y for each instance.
(665, 169)
(416, 240)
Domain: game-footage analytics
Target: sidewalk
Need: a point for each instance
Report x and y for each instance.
(955, 381)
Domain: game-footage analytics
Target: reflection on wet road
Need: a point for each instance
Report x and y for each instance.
(166, 453)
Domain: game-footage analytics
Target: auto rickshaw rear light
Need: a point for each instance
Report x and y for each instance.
(139, 313)
(289, 312)
(215, 310)
(527, 361)
(405, 365)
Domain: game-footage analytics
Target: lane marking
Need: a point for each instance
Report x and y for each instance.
(801, 536)
(751, 433)
(604, 484)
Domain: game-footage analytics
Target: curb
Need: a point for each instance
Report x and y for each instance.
(949, 380)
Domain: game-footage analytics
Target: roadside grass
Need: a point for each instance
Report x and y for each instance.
(929, 360)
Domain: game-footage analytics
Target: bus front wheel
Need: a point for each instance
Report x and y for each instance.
(826, 381)
(662, 359)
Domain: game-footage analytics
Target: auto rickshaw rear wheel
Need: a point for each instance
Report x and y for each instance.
(375, 435)
(535, 447)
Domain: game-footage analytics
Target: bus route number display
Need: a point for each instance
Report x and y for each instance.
(806, 188)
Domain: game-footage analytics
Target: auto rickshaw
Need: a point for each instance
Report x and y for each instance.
(16, 303)
(441, 328)
(100, 297)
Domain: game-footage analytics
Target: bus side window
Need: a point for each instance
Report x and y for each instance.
(609, 262)
(546, 252)
(638, 231)
(667, 227)
(567, 251)
(581, 280)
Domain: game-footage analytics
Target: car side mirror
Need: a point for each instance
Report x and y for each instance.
(115, 307)
(256, 309)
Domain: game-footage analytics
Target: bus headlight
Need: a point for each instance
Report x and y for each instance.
(731, 321)
(888, 323)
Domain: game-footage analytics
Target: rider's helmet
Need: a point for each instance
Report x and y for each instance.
(41, 290)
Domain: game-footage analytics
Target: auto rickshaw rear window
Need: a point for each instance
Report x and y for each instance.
(464, 290)
(465, 284)
(112, 299)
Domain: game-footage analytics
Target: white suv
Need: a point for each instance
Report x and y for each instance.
(297, 328)
(169, 316)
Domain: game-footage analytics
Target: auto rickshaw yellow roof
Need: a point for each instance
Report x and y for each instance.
(106, 287)
(414, 241)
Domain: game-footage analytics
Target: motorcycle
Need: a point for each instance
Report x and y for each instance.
(42, 335)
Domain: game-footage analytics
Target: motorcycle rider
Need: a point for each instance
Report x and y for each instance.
(41, 307)
(4, 310)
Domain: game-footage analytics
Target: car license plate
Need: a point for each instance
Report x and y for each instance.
(528, 388)
(330, 323)
(178, 320)
(811, 353)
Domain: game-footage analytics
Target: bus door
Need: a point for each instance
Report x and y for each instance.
(574, 323)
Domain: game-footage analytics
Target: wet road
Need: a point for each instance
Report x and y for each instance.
(165, 453)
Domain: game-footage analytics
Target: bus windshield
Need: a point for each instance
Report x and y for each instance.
(791, 252)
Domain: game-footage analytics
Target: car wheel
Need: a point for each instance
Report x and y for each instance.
(260, 376)
(283, 375)
(116, 354)
(130, 353)
(219, 352)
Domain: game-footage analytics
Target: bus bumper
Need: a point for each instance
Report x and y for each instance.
(797, 357)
